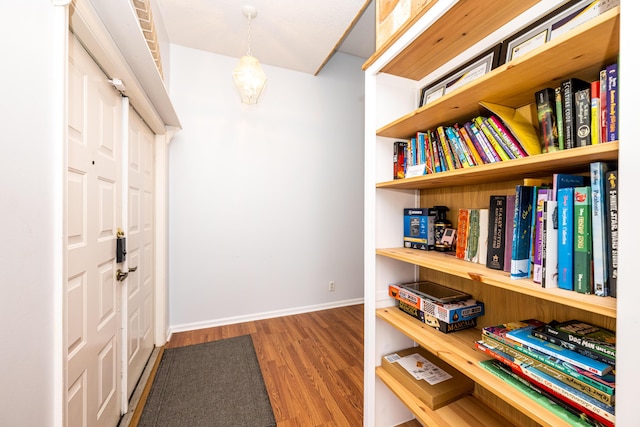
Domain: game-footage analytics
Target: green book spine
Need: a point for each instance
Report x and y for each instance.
(582, 243)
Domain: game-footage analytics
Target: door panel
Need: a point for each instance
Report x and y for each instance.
(140, 235)
(92, 298)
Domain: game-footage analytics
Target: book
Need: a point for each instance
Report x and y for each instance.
(496, 232)
(612, 102)
(554, 404)
(598, 339)
(423, 146)
(399, 149)
(483, 236)
(611, 194)
(519, 126)
(595, 112)
(446, 149)
(584, 351)
(559, 119)
(524, 338)
(473, 235)
(522, 220)
(464, 149)
(592, 407)
(605, 383)
(537, 233)
(604, 119)
(456, 146)
(435, 154)
(563, 180)
(484, 143)
(547, 119)
(550, 244)
(508, 231)
(569, 88)
(582, 243)
(499, 332)
(510, 140)
(565, 238)
(463, 227)
(583, 117)
(478, 156)
(520, 358)
(491, 137)
(599, 229)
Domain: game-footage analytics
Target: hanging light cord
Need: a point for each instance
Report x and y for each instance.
(249, 36)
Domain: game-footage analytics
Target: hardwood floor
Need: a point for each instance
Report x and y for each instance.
(312, 363)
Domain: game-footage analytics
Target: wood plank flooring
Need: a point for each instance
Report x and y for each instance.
(312, 363)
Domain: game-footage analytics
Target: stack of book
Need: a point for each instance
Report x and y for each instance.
(561, 234)
(480, 141)
(579, 113)
(570, 363)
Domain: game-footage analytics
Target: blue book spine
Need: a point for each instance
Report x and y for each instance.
(522, 220)
(565, 238)
(599, 229)
(455, 143)
(563, 180)
(523, 337)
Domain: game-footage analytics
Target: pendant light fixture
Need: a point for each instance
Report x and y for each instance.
(248, 75)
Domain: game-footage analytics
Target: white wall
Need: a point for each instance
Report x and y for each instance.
(265, 203)
(30, 207)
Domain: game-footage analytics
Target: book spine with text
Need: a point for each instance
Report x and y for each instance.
(473, 235)
(508, 231)
(504, 133)
(569, 88)
(497, 228)
(559, 117)
(484, 143)
(612, 102)
(604, 109)
(478, 157)
(462, 233)
(550, 244)
(547, 119)
(483, 236)
(491, 137)
(399, 164)
(599, 229)
(448, 155)
(522, 220)
(542, 196)
(565, 238)
(437, 165)
(611, 189)
(583, 117)
(595, 112)
(582, 242)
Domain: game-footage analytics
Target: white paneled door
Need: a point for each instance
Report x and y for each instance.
(109, 323)
(140, 232)
(94, 213)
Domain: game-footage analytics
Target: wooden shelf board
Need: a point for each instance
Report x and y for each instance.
(449, 264)
(589, 48)
(474, 21)
(466, 411)
(457, 349)
(567, 161)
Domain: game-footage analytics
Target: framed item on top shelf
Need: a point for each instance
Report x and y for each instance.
(477, 67)
(554, 24)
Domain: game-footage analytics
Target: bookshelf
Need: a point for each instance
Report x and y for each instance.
(392, 88)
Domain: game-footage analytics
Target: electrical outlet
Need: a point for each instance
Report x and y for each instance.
(332, 286)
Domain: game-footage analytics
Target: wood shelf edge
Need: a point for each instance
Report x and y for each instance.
(605, 306)
(538, 165)
(457, 350)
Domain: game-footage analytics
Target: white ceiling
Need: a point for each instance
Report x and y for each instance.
(298, 35)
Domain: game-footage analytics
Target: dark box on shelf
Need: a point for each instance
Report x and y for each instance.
(419, 229)
(426, 369)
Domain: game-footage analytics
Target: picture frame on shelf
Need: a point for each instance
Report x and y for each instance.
(468, 72)
(552, 25)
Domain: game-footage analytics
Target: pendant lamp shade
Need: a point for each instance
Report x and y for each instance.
(248, 75)
(249, 79)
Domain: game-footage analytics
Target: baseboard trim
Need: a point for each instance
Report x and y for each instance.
(260, 316)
